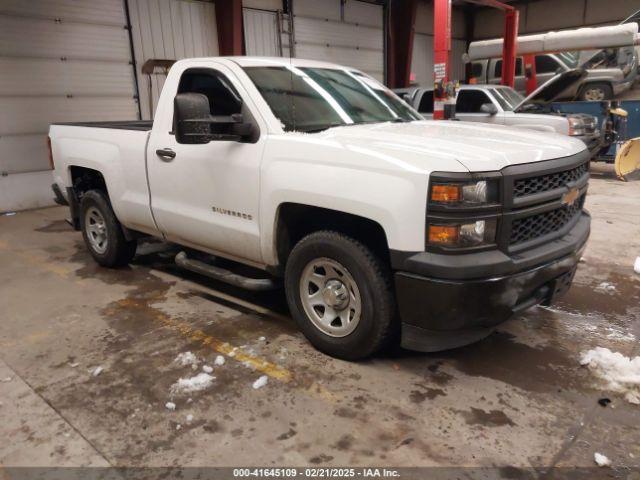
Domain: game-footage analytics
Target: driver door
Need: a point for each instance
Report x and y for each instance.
(206, 196)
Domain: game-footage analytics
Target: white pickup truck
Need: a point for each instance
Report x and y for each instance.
(377, 222)
(502, 105)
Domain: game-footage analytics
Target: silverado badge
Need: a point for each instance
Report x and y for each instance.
(570, 197)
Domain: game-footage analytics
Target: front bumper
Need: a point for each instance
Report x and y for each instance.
(592, 141)
(480, 291)
(621, 87)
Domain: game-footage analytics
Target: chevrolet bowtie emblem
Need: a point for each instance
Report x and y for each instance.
(570, 197)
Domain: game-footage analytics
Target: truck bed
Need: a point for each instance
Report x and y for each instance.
(140, 125)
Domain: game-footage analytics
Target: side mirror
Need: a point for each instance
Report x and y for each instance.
(194, 122)
(489, 108)
(191, 111)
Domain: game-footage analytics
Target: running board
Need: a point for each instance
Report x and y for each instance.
(223, 275)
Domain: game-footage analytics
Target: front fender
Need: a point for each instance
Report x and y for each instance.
(396, 202)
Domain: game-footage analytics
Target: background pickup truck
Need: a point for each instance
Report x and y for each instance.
(609, 72)
(377, 222)
(502, 105)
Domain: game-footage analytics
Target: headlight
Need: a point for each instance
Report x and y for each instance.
(464, 194)
(478, 233)
(576, 126)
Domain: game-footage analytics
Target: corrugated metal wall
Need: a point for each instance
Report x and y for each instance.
(169, 29)
(60, 60)
(351, 36)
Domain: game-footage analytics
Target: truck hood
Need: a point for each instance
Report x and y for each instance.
(478, 147)
(549, 91)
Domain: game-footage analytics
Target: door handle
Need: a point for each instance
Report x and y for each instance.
(166, 154)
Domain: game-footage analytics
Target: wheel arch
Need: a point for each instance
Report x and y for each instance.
(84, 179)
(294, 221)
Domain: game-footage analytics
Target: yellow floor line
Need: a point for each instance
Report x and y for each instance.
(236, 353)
(193, 334)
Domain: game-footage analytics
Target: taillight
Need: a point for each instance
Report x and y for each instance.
(50, 153)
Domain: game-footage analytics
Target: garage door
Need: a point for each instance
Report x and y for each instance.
(61, 60)
(349, 33)
(422, 60)
(169, 30)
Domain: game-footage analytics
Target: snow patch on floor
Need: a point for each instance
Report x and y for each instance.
(207, 369)
(97, 371)
(260, 382)
(219, 361)
(186, 358)
(606, 287)
(601, 460)
(170, 406)
(202, 381)
(632, 397)
(636, 266)
(615, 334)
(621, 373)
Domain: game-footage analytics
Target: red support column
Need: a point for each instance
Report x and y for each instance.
(229, 24)
(509, 47)
(530, 72)
(402, 19)
(441, 49)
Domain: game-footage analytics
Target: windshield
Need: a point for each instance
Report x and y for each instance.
(314, 99)
(570, 59)
(508, 98)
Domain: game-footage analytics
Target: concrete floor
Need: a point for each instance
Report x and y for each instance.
(518, 398)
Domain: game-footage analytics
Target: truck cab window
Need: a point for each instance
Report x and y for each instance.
(470, 101)
(426, 102)
(223, 97)
(546, 64)
(477, 70)
(498, 69)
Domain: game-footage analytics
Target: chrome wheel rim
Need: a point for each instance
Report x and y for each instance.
(330, 297)
(96, 229)
(594, 95)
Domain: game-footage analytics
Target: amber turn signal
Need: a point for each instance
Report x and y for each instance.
(446, 193)
(443, 234)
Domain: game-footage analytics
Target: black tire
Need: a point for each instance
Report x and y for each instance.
(605, 92)
(118, 250)
(373, 279)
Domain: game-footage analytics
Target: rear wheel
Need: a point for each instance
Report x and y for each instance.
(340, 295)
(102, 231)
(596, 92)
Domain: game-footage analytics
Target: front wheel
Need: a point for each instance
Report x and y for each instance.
(340, 294)
(102, 231)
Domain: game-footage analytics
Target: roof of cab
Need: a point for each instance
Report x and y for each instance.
(482, 86)
(274, 61)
